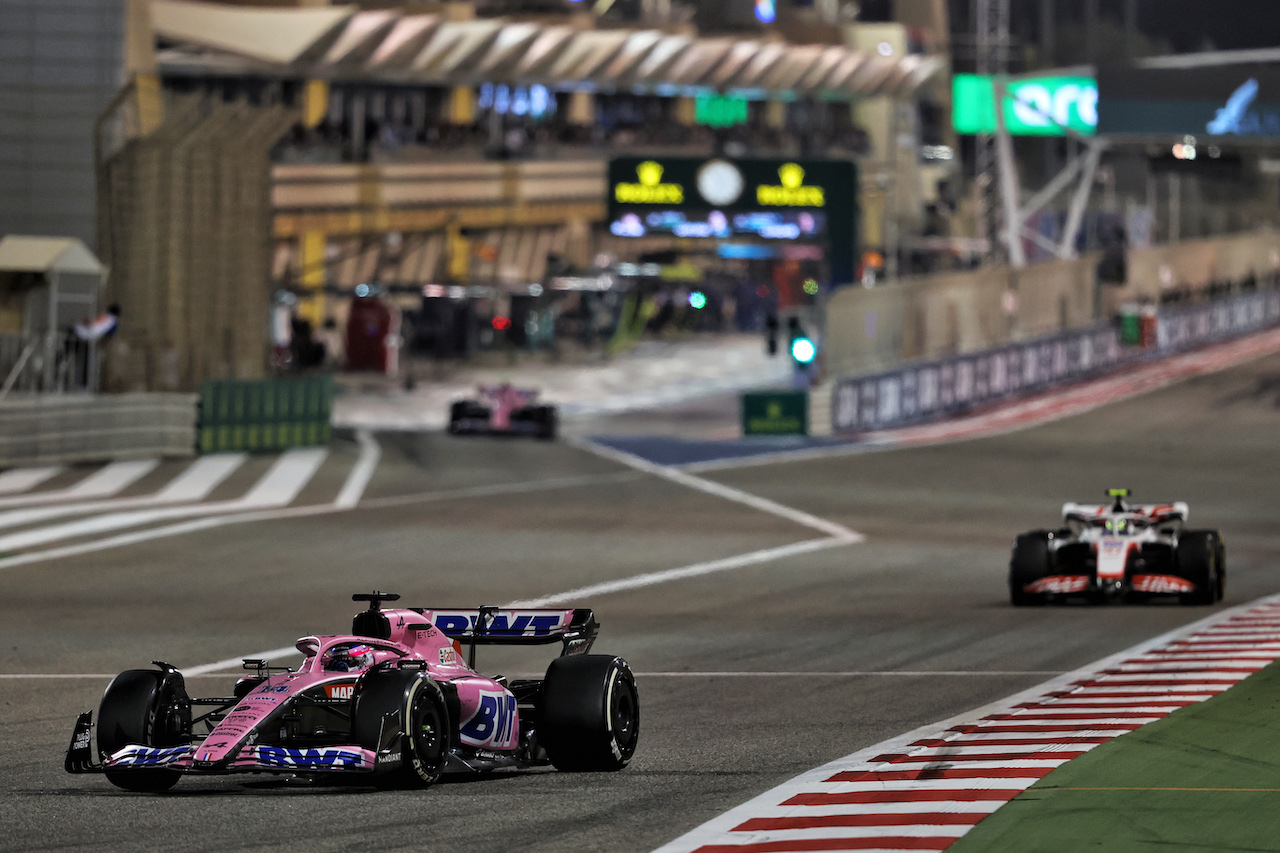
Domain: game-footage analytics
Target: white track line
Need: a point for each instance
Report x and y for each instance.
(193, 484)
(362, 473)
(691, 571)
(102, 483)
(935, 744)
(839, 531)
(21, 479)
(849, 674)
(216, 521)
(278, 487)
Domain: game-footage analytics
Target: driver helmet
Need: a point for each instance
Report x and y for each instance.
(347, 657)
(1117, 525)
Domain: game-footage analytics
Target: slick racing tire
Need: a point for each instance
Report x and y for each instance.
(546, 418)
(141, 706)
(416, 702)
(1028, 563)
(589, 715)
(457, 412)
(464, 410)
(1199, 558)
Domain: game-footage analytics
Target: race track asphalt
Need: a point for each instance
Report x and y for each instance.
(921, 605)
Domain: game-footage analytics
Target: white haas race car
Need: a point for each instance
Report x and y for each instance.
(1118, 551)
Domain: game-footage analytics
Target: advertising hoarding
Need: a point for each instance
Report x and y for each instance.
(1241, 101)
(769, 199)
(1036, 106)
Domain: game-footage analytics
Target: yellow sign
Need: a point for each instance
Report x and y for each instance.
(650, 189)
(793, 192)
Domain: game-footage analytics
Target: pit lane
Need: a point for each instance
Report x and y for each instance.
(906, 628)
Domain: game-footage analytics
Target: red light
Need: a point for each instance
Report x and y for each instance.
(501, 323)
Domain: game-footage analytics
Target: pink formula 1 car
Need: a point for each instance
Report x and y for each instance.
(393, 703)
(503, 410)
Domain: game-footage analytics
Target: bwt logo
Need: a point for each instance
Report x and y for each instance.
(142, 756)
(279, 756)
(503, 623)
(493, 723)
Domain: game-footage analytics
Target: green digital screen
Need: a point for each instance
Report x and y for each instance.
(1036, 106)
(720, 110)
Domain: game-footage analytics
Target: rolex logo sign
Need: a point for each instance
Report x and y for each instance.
(649, 188)
(792, 191)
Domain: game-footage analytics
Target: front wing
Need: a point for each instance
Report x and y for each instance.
(260, 758)
(1151, 584)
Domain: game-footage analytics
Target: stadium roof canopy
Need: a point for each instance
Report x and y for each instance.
(343, 43)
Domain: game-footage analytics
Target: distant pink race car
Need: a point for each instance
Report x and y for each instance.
(503, 410)
(393, 703)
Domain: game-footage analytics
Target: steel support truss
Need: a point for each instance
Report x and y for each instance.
(1080, 171)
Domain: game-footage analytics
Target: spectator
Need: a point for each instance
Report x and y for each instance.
(101, 327)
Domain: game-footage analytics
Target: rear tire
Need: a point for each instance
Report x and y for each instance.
(547, 421)
(590, 713)
(457, 412)
(1028, 563)
(140, 707)
(417, 702)
(464, 410)
(1199, 559)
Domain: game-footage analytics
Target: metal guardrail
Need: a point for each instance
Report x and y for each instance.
(936, 389)
(64, 428)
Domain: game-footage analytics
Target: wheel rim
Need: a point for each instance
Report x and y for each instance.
(623, 713)
(428, 742)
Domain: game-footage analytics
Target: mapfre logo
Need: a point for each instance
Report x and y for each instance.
(340, 691)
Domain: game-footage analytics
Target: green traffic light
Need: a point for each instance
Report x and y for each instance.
(803, 350)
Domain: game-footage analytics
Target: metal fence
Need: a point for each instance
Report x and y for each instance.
(49, 363)
(936, 389)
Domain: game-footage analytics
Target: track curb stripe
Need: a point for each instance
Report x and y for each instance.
(926, 789)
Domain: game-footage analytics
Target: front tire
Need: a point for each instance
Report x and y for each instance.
(547, 422)
(141, 706)
(590, 713)
(418, 703)
(1028, 563)
(1200, 558)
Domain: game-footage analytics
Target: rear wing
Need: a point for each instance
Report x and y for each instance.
(494, 626)
(1153, 513)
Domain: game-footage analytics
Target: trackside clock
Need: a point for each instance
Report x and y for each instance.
(720, 182)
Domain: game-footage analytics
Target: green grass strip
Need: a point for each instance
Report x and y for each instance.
(1204, 778)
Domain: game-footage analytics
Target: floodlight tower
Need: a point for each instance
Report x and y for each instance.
(991, 42)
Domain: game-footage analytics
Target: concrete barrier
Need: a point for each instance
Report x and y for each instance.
(952, 313)
(934, 389)
(60, 429)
